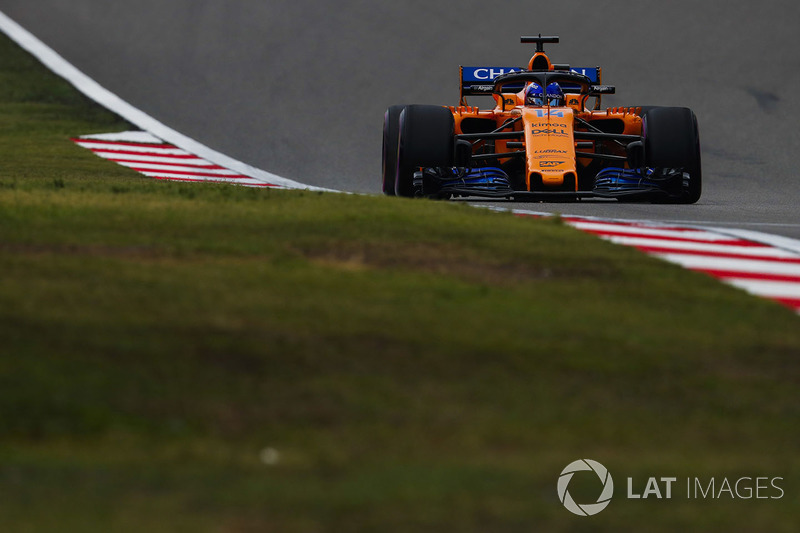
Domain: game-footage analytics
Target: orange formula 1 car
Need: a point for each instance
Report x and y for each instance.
(541, 141)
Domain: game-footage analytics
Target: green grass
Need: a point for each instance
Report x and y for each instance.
(418, 366)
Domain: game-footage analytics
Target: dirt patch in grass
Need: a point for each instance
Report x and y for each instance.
(441, 259)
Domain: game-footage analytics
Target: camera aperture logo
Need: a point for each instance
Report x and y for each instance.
(585, 509)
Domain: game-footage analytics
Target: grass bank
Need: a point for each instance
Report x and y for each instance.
(215, 358)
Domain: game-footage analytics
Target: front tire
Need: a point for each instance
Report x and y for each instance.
(426, 140)
(672, 140)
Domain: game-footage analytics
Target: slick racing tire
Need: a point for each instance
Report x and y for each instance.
(672, 140)
(391, 131)
(426, 140)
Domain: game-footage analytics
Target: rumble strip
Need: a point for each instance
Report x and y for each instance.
(759, 268)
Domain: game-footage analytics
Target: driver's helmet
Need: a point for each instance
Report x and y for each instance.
(534, 95)
(555, 96)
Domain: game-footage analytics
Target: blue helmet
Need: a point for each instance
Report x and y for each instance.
(534, 95)
(555, 96)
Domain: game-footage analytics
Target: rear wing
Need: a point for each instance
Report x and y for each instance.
(479, 81)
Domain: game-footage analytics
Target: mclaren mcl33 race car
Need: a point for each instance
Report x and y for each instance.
(541, 141)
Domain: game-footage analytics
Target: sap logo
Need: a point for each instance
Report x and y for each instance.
(550, 164)
(543, 113)
(491, 73)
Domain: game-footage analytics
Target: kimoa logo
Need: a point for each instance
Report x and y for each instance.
(586, 509)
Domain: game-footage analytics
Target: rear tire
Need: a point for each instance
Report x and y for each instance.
(672, 140)
(426, 140)
(391, 132)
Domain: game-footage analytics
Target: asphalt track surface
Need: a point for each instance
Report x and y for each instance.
(299, 88)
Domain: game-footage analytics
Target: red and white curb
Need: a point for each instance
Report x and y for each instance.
(52, 60)
(759, 268)
(154, 158)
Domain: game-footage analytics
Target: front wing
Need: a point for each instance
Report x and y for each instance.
(491, 182)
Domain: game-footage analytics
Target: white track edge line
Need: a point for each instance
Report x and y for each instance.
(776, 241)
(86, 85)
